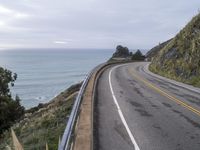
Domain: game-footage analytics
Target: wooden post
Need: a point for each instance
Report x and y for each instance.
(47, 148)
(16, 143)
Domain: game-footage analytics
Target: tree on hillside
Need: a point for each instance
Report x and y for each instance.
(138, 56)
(121, 51)
(10, 109)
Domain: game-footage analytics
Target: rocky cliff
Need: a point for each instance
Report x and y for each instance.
(155, 50)
(180, 58)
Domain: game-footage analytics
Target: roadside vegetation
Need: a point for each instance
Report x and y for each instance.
(138, 56)
(10, 109)
(122, 54)
(179, 59)
(43, 124)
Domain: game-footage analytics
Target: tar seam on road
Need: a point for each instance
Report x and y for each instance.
(120, 112)
(180, 102)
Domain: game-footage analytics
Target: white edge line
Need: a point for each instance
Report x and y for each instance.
(120, 112)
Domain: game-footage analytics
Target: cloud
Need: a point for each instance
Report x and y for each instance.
(4, 10)
(8, 17)
(11, 13)
(2, 23)
(92, 23)
(60, 42)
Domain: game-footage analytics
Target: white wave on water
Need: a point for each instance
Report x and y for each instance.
(41, 98)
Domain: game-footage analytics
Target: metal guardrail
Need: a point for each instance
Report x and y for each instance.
(66, 138)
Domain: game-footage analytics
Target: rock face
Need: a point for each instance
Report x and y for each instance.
(179, 59)
(155, 50)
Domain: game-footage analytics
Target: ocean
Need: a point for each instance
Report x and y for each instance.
(43, 74)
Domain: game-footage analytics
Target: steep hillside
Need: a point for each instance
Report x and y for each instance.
(43, 124)
(155, 50)
(180, 58)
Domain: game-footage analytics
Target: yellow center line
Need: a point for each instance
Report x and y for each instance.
(180, 102)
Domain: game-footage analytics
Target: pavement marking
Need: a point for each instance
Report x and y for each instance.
(183, 85)
(120, 112)
(180, 102)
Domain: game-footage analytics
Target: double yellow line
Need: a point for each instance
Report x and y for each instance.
(180, 102)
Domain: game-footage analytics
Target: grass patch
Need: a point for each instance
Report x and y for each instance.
(43, 125)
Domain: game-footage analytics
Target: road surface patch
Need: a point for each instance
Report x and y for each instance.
(180, 102)
(120, 112)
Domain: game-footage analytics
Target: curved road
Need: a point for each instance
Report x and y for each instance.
(135, 109)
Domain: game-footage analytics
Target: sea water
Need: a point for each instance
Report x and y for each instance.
(44, 73)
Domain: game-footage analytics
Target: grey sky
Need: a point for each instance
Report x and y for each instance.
(92, 23)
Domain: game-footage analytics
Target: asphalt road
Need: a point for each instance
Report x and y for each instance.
(135, 109)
